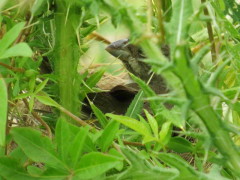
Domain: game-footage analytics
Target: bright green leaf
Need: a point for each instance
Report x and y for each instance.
(180, 145)
(153, 123)
(135, 125)
(10, 37)
(37, 147)
(108, 135)
(41, 86)
(20, 49)
(10, 169)
(94, 164)
(165, 133)
(45, 99)
(76, 146)
(99, 114)
(3, 114)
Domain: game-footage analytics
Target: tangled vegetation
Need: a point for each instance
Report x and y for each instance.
(51, 127)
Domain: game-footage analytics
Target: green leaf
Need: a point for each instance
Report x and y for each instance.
(165, 133)
(37, 147)
(11, 170)
(41, 86)
(62, 137)
(3, 114)
(39, 7)
(136, 105)
(19, 155)
(10, 36)
(153, 123)
(185, 169)
(99, 114)
(140, 169)
(76, 147)
(45, 99)
(135, 125)
(155, 104)
(34, 171)
(93, 79)
(180, 145)
(177, 29)
(94, 164)
(174, 115)
(198, 57)
(20, 49)
(108, 135)
(24, 95)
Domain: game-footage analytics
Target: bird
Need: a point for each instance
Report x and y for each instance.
(133, 57)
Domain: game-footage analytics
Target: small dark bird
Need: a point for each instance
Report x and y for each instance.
(119, 98)
(133, 59)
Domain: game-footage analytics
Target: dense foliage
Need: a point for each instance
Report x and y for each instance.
(41, 44)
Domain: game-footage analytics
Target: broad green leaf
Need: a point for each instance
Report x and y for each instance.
(180, 145)
(39, 7)
(141, 169)
(177, 28)
(76, 147)
(95, 164)
(20, 49)
(108, 135)
(135, 125)
(37, 147)
(93, 79)
(19, 155)
(165, 133)
(45, 99)
(156, 105)
(10, 169)
(118, 154)
(153, 123)
(62, 137)
(24, 95)
(3, 114)
(99, 114)
(185, 169)
(10, 37)
(34, 171)
(41, 86)
(174, 115)
(136, 105)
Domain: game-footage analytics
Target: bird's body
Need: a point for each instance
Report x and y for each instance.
(133, 59)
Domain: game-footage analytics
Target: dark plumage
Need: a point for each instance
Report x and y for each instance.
(133, 59)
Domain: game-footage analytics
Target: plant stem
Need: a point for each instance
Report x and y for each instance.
(200, 104)
(210, 34)
(160, 20)
(66, 60)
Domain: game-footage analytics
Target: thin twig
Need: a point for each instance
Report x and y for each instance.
(133, 143)
(39, 119)
(77, 119)
(98, 37)
(210, 34)
(15, 69)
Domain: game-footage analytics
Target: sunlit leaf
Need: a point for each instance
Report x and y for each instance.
(37, 147)
(20, 49)
(3, 114)
(10, 37)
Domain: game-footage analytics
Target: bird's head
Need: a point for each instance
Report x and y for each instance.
(124, 51)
